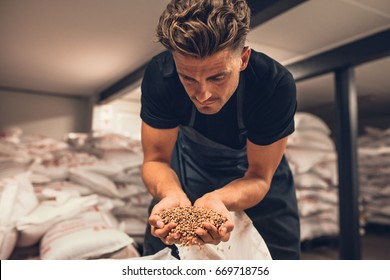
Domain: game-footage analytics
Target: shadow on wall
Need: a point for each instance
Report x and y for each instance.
(51, 116)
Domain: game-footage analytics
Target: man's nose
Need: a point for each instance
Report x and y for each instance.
(203, 93)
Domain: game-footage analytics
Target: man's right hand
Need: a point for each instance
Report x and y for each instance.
(158, 227)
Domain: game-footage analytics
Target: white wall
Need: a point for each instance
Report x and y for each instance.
(120, 116)
(47, 115)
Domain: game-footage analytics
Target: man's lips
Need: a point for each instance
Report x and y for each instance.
(206, 103)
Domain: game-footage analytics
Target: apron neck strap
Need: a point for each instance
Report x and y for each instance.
(240, 103)
(193, 115)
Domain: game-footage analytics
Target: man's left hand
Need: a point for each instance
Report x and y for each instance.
(210, 234)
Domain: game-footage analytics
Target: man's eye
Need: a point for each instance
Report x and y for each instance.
(219, 78)
(187, 79)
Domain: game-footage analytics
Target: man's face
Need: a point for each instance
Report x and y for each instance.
(211, 81)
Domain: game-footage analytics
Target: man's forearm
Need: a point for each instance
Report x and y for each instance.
(241, 193)
(160, 179)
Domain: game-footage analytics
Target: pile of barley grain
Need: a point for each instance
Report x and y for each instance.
(188, 219)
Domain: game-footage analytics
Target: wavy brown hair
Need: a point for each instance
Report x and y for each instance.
(200, 28)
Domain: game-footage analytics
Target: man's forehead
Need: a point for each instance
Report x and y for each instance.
(211, 70)
(210, 65)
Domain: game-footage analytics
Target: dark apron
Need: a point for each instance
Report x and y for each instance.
(203, 165)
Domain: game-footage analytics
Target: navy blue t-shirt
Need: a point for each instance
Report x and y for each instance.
(269, 104)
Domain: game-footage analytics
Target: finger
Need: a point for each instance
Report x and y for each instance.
(160, 233)
(212, 231)
(197, 241)
(163, 232)
(153, 231)
(229, 226)
(222, 230)
(226, 237)
(206, 237)
(203, 235)
(173, 237)
(170, 239)
(156, 221)
(167, 241)
(159, 224)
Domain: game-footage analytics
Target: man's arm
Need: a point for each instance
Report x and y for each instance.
(247, 191)
(157, 145)
(161, 181)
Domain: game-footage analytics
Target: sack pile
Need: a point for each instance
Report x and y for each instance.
(313, 161)
(111, 147)
(374, 175)
(126, 185)
(69, 203)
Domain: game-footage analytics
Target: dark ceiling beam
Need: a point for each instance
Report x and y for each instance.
(261, 12)
(265, 10)
(367, 49)
(117, 90)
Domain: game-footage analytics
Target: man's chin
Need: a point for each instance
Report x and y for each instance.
(208, 110)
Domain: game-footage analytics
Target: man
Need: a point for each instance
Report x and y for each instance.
(216, 116)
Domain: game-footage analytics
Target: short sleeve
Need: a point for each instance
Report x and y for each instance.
(157, 108)
(273, 119)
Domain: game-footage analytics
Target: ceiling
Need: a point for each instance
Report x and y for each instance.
(84, 47)
(319, 25)
(74, 47)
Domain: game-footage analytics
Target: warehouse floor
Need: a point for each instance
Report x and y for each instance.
(375, 246)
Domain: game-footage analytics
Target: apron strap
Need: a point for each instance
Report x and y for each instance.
(240, 107)
(193, 115)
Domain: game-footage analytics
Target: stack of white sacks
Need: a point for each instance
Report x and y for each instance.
(313, 160)
(81, 199)
(126, 154)
(84, 198)
(68, 203)
(374, 175)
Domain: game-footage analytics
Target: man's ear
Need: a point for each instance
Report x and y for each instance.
(245, 55)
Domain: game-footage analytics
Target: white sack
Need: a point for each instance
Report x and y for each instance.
(164, 254)
(90, 234)
(315, 140)
(60, 186)
(245, 243)
(60, 172)
(103, 168)
(307, 121)
(8, 238)
(310, 180)
(49, 212)
(96, 182)
(318, 229)
(309, 206)
(127, 252)
(17, 199)
(303, 160)
(127, 190)
(328, 171)
(322, 195)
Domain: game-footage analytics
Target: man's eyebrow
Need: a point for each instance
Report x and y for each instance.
(218, 75)
(210, 77)
(185, 76)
